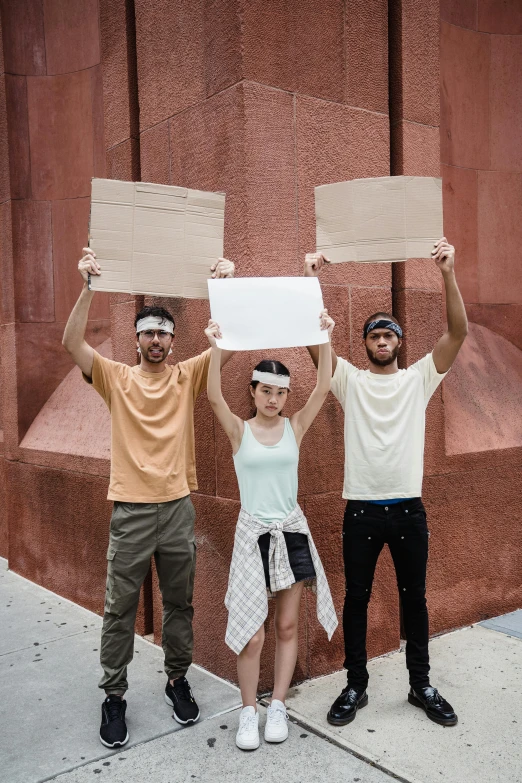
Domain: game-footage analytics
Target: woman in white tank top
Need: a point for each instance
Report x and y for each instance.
(273, 547)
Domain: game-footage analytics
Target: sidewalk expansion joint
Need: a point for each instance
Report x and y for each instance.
(321, 735)
(47, 641)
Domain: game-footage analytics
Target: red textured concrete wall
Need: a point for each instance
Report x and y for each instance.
(263, 101)
(482, 155)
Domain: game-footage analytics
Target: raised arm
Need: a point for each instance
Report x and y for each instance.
(231, 423)
(447, 348)
(314, 262)
(74, 334)
(302, 420)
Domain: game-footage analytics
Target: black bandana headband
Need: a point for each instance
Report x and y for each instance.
(383, 324)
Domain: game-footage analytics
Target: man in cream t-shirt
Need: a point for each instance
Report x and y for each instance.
(384, 423)
(153, 472)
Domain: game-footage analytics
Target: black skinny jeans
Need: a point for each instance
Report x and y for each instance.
(367, 527)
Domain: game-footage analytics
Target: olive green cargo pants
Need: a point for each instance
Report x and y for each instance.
(138, 531)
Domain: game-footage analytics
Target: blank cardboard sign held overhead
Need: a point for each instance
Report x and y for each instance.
(380, 219)
(155, 239)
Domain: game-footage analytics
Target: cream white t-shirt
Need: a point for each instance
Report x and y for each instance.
(384, 423)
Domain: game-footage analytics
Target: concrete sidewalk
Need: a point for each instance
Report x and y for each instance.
(50, 711)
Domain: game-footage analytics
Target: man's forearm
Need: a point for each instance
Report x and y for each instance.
(455, 309)
(74, 333)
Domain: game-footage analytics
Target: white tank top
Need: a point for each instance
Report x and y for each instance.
(267, 475)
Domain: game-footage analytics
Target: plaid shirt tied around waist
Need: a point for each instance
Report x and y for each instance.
(246, 598)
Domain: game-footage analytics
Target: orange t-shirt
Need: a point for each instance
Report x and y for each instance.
(152, 427)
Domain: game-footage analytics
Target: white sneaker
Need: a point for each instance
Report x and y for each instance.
(247, 737)
(276, 728)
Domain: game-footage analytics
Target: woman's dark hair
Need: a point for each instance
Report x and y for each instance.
(159, 312)
(378, 317)
(270, 365)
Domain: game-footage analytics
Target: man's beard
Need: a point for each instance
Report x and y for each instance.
(383, 362)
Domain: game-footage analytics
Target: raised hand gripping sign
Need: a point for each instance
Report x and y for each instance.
(257, 313)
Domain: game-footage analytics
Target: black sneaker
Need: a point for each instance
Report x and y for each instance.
(113, 729)
(180, 698)
(434, 705)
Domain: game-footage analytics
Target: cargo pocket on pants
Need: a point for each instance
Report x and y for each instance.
(110, 584)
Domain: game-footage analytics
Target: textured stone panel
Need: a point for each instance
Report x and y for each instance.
(419, 273)
(465, 80)
(466, 560)
(123, 335)
(500, 17)
(366, 66)
(155, 154)
(37, 346)
(98, 121)
(61, 135)
(336, 143)
(416, 150)
(118, 56)
(75, 419)
(414, 64)
(8, 393)
(462, 13)
(59, 524)
(222, 36)
(481, 414)
(24, 44)
(502, 319)
(499, 237)
(18, 136)
(171, 65)
(70, 222)
(295, 46)
(207, 153)
(4, 530)
(506, 101)
(270, 182)
(460, 224)
(72, 36)
(33, 266)
(7, 303)
(5, 191)
(123, 161)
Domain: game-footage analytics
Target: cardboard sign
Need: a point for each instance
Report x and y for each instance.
(155, 239)
(256, 313)
(380, 219)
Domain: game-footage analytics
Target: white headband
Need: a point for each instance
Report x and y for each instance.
(154, 322)
(271, 379)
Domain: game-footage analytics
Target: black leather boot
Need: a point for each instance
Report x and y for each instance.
(436, 708)
(344, 709)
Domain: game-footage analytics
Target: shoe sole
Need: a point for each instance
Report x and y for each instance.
(115, 744)
(176, 718)
(244, 746)
(340, 721)
(441, 721)
(274, 739)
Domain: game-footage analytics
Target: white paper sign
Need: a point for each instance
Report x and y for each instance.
(257, 313)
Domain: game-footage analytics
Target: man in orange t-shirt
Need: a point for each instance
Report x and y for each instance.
(152, 474)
